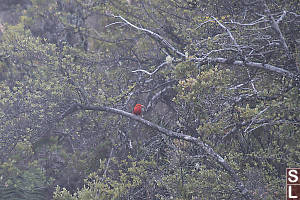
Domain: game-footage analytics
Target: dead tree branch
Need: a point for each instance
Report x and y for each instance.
(276, 28)
(267, 67)
(230, 35)
(157, 36)
(151, 73)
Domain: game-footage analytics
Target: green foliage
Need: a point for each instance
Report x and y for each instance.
(21, 178)
(118, 182)
(66, 52)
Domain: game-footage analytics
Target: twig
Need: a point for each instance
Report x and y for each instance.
(203, 24)
(242, 84)
(150, 73)
(113, 24)
(261, 125)
(281, 17)
(254, 118)
(251, 82)
(107, 163)
(156, 96)
(275, 27)
(261, 20)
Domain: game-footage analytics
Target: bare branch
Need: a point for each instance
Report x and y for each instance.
(281, 17)
(267, 67)
(150, 73)
(275, 27)
(251, 82)
(153, 34)
(113, 24)
(233, 130)
(242, 84)
(229, 33)
(295, 14)
(199, 26)
(107, 163)
(255, 117)
(142, 70)
(261, 20)
(261, 125)
(156, 96)
(218, 50)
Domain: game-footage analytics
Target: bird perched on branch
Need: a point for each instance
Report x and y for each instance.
(137, 110)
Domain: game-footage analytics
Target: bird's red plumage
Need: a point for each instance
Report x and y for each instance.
(137, 110)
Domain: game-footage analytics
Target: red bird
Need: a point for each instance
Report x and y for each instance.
(137, 110)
